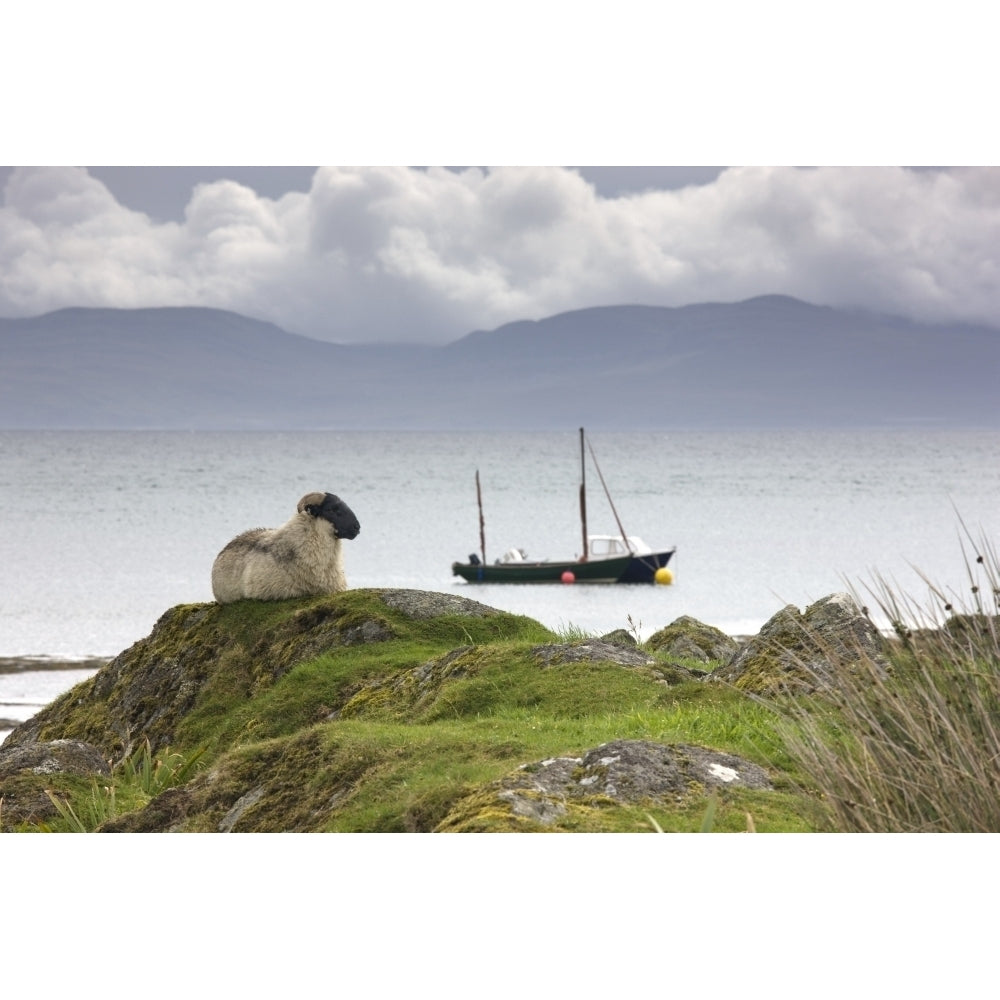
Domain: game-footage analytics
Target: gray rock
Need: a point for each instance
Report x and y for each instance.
(627, 771)
(620, 637)
(55, 757)
(27, 768)
(241, 806)
(689, 639)
(427, 604)
(592, 650)
(801, 652)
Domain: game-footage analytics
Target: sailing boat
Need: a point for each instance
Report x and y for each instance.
(606, 558)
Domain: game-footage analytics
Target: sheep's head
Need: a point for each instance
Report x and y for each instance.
(331, 508)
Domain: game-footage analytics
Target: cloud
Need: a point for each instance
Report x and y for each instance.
(408, 254)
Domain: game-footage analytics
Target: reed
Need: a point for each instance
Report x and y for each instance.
(135, 780)
(916, 748)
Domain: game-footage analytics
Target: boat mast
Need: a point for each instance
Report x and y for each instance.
(608, 495)
(583, 500)
(482, 523)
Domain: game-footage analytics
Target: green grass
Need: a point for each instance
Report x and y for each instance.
(387, 777)
(403, 762)
(131, 785)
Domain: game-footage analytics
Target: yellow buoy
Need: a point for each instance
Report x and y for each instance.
(663, 575)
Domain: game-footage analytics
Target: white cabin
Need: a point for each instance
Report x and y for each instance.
(611, 546)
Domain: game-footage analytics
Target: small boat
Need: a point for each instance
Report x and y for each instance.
(607, 558)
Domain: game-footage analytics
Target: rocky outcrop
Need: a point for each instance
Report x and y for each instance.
(617, 651)
(389, 709)
(55, 757)
(24, 800)
(798, 652)
(592, 650)
(145, 692)
(623, 772)
(689, 639)
(422, 605)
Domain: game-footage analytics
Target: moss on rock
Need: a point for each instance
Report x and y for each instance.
(687, 638)
(575, 790)
(798, 652)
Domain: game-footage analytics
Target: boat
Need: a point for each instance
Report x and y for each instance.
(619, 558)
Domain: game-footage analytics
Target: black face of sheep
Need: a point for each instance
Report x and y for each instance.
(334, 510)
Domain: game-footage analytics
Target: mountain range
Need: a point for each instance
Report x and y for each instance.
(767, 362)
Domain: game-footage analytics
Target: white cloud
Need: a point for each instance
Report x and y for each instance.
(59, 196)
(397, 253)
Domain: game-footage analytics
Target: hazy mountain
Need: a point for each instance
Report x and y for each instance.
(767, 362)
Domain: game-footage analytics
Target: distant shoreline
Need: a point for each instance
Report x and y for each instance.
(18, 664)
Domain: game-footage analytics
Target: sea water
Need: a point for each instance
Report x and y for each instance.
(104, 531)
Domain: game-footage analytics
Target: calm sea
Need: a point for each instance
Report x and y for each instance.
(102, 532)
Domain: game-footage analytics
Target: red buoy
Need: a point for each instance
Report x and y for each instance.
(568, 577)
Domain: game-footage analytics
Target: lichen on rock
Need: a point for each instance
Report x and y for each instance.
(622, 771)
(799, 652)
(592, 650)
(689, 639)
(53, 757)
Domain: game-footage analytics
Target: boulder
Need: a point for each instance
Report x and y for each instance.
(26, 771)
(689, 639)
(425, 604)
(54, 757)
(627, 772)
(620, 653)
(593, 650)
(620, 637)
(799, 652)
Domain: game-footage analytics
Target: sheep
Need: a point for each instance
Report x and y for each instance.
(299, 559)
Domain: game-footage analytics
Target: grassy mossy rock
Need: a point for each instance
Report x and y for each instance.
(687, 638)
(30, 772)
(620, 637)
(798, 652)
(200, 654)
(605, 650)
(563, 790)
(386, 710)
(595, 650)
(59, 756)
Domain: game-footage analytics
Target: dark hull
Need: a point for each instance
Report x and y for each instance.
(595, 571)
(642, 569)
(623, 569)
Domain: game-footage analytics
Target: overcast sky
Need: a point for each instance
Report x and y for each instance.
(429, 254)
(355, 254)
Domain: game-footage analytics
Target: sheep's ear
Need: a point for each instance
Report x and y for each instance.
(311, 509)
